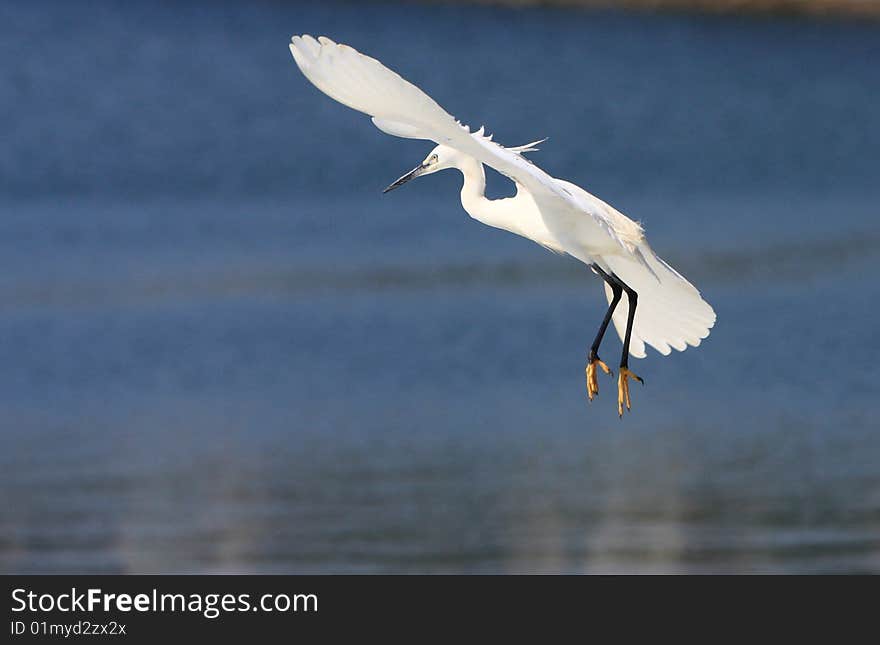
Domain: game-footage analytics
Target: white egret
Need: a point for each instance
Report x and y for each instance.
(662, 308)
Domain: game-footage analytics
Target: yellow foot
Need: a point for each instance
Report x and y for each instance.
(592, 381)
(623, 388)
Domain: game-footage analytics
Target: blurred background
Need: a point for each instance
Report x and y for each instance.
(223, 350)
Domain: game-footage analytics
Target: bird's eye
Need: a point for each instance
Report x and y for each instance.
(432, 159)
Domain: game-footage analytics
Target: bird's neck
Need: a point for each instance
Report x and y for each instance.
(517, 214)
(473, 194)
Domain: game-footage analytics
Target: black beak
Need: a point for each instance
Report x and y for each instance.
(412, 174)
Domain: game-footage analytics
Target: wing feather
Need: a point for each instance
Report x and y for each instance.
(671, 313)
(400, 108)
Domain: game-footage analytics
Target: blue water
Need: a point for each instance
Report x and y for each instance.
(222, 349)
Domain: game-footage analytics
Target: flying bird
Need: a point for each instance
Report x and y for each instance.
(662, 309)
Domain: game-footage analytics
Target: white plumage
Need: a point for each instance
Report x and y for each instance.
(557, 214)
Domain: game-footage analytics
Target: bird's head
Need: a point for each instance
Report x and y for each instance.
(440, 158)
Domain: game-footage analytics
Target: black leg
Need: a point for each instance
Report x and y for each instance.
(594, 360)
(617, 291)
(617, 286)
(633, 299)
(624, 373)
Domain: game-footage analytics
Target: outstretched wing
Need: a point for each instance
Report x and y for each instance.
(671, 313)
(400, 108)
